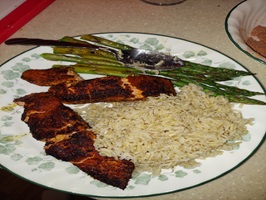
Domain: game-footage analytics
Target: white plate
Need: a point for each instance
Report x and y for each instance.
(24, 156)
(241, 20)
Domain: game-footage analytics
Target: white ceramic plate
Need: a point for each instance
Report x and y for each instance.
(24, 156)
(241, 20)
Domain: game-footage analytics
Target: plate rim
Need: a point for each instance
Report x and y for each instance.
(161, 193)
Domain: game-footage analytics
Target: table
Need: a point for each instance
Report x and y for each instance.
(201, 21)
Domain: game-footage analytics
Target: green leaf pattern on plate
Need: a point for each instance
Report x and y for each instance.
(33, 160)
(16, 157)
(46, 166)
(10, 74)
(180, 174)
(162, 177)
(189, 54)
(72, 170)
(8, 84)
(143, 179)
(99, 184)
(7, 149)
(246, 138)
(196, 171)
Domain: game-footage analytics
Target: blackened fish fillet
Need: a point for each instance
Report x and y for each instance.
(69, 138)
(51, 76)
(112, 88)
(79, 150)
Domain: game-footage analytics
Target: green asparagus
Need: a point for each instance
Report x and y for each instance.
(83, 52)
(83, 60)
(105, 63)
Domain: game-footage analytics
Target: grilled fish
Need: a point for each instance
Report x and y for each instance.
(69, 138)
(66, 135)
(112, 88)
(51, 76)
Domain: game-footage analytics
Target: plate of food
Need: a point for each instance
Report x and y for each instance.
(82, 122)
(246, 27)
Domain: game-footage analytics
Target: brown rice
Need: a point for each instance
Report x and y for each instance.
(166, 131)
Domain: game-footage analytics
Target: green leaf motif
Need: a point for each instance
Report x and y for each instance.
(143, 179)
(246, 138)
(159, 47)
(196, 171)
(236, 147)
(152, 41)
(33, 160)
(130, 187)
(99, 183)
(246, 82)
(7, 149)
(189, 54)
(162, 177)
(146, 47)
(227, 65)
(16, 157)
(21, 91)
(201, 53)
(10, 75)
(207, 62)
(6, 118)
(7, 84)
(180, 174)
(35, 55)
(34, 170)
(134, 40)
(27, 59)
(8, 124)
(20, 67)
(2, 91)
(229, 83)
(72, 170)
(47, 166)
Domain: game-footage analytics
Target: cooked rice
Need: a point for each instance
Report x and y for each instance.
(166, 131)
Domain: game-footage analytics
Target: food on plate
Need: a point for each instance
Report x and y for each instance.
(257, 40)
(112, 88)
(66, 135)
(166, 131)
(69, 138)
(48, 77)
(104, 63)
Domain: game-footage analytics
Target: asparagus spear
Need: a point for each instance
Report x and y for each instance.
(83, 51)
(202, 75)
(219, 74)
(102, 69)
(92, 60)
(193, 69)
(188, 66)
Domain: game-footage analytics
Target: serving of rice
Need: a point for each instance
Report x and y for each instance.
(166, 131)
